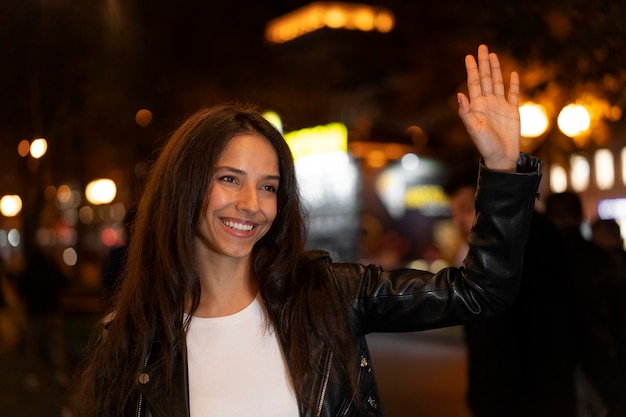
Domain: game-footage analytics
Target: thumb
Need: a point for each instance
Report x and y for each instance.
(464, 111)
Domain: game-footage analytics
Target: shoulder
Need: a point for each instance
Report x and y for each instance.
(345, 277)
(321, 259)
(317, 256)
(315, 264)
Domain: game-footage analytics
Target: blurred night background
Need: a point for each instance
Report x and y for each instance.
(105, 81)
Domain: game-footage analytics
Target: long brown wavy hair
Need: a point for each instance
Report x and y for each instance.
(161, 279)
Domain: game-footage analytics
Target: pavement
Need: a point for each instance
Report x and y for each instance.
(20, 397)
(40, 394)
(419, 374)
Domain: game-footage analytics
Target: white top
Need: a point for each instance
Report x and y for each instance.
(236, 367)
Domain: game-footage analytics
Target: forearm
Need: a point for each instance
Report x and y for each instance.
(504, 209)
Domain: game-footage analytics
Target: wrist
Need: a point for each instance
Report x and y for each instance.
(501, 165)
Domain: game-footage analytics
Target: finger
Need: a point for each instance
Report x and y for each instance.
(473, 80)
(463, 103)
(464, 112)
(513, 97)
(484, 70)
(496, 75)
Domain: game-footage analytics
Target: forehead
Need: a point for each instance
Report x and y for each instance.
(252, 148)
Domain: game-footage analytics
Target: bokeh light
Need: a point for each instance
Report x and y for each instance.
(574, 120)
(143, 117)
(534, 120)
(38, 148)
(10, 205)
(101, 191)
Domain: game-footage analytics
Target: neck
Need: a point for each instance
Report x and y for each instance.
(225, 289)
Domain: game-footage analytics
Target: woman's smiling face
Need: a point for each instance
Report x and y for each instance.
(242, 199)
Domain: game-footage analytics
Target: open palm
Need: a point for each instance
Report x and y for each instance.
(491, 118)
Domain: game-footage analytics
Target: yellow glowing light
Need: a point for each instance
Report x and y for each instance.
(574, 120)
(38, 148)
(275, 119)
(604, 169)
(384, 22)
(579, 174)
(558, 179)
(363, 19)
(335, 18)
(10, 205)
(534, 120)
(101, 191)
(423, 195)
(376, 158)
(334, 15)
(318, 140)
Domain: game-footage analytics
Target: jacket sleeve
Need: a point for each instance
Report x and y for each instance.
(487, 283)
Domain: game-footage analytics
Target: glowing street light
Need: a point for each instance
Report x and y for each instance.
(534, 120)
(101, 191)
(10, 205)
(38, 148)
(330, 14)
(574, 120)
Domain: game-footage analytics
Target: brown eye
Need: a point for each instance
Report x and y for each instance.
(270, 188)
(227, 178)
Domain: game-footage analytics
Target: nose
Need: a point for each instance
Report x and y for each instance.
(248, 200)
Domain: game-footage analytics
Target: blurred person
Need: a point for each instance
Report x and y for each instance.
(520, 361)
(222, 311)
(598, 296)
(607, 234)
(39, 287)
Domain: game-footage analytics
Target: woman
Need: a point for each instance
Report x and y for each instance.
(222, 312)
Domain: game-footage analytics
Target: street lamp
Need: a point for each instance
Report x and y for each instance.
(101, 191)
(10, 205)
(573, 120)
(534, 119)
(38, 148)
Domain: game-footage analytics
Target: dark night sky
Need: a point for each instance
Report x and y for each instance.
(76, 71)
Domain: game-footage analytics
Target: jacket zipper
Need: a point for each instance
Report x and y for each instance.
(140, 400)
(320, 404)
(139, 404)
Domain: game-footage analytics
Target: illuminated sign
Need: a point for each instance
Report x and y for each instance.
(430, 199)
(318, 140)
(613, 208)
(414, 186)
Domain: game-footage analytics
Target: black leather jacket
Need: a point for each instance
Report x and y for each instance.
(401, 300)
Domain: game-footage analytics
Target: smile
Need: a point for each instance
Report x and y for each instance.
(238, 226)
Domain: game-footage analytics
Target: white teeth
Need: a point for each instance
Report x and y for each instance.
(239, 226)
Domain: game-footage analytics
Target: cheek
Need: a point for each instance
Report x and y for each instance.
(215, 199)
(271, 210)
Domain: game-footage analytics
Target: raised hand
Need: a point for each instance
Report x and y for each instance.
(491, 119)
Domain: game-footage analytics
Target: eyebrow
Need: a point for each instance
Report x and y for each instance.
(242, 172)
